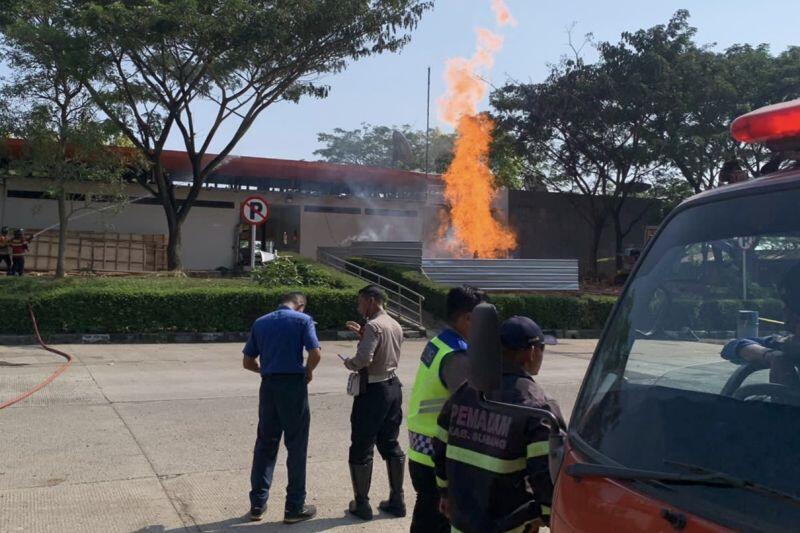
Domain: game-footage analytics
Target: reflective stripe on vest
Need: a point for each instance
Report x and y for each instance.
(538, 449)
(427, 399)
(485, 462)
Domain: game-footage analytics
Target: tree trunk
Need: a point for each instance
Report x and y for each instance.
(63, 219)
(174, 220)
(597, 235)
(174, 260)
(618, 237)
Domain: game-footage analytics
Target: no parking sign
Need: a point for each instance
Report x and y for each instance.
(254, 210)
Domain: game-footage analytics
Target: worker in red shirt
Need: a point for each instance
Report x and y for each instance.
(19, 249)
(5, 250)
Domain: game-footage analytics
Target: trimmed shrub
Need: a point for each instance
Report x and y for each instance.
(152, 307)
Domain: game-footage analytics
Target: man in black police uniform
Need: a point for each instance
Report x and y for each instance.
(490, 464)
(378, 409)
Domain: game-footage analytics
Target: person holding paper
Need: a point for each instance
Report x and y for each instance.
(278, 339)
(377, 409)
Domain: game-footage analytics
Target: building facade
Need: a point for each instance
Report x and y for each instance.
(311, 204)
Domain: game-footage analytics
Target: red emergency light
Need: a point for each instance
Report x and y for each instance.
(769, 124)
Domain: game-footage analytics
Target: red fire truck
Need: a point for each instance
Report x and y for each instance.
(688, 418)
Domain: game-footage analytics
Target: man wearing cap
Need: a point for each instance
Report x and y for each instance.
(490, 464)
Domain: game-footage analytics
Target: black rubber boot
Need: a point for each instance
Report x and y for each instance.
(361, 476)
(396, 504)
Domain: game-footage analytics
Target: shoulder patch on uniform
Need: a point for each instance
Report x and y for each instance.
(428, 354)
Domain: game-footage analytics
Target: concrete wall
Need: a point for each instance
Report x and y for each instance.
(210, 229)
(549, 226)
(396, 222)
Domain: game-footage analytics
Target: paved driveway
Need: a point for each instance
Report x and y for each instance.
(159, 438)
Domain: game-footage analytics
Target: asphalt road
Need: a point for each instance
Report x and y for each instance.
(159, 438)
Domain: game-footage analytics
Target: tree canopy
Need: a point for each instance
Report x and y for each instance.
(379, 146)
(46, 104)
(649, 117)
(152, 65)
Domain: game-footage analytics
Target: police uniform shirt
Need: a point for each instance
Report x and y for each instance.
(379, 348)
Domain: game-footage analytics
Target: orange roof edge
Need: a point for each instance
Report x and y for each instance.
(177, 162)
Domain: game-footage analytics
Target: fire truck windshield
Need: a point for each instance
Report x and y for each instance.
(700, 365)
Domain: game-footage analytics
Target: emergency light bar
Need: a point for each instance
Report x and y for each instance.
(768, 124)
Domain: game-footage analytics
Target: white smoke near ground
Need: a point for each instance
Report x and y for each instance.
(382, 228)
(387, 232)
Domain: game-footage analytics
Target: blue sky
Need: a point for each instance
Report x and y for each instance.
(390, 89)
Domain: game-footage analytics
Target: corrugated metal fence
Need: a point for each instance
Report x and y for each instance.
(505, 274)
(401, 253)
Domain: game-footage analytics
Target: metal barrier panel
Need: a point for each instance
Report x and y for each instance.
(401, 253)
(505, 274)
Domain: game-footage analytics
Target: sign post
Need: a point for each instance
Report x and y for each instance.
(254, 211)
(745, 243)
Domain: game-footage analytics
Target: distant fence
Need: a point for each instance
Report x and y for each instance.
(95, 251)
(400, 253)
(505, 274)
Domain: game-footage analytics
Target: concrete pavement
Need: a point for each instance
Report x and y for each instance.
(159, 438)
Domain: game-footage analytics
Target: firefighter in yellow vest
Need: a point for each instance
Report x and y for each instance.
(443, 368)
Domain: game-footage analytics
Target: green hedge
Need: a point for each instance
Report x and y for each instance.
(151, 307)
(550, 311)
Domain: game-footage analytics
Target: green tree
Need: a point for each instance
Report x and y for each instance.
(206, 70)
(707, 90)
(380, 146)
(545, 125)
(632, 92)
(49, 108)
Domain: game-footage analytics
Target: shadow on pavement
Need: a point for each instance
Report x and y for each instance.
(243, 524)
(6, 363)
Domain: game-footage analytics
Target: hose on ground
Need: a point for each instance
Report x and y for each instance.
(52, 376)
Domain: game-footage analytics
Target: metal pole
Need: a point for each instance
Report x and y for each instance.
(744, 275)
(252, 246)
(428, 124)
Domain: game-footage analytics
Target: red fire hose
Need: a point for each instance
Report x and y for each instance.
(52, 377)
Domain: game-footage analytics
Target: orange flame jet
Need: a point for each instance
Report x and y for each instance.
(469, 183)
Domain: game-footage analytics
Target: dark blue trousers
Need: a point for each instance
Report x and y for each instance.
(282, 410)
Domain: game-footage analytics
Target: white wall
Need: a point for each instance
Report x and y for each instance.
(208, 233)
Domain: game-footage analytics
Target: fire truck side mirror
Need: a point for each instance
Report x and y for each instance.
(486, 375)
(484, 351)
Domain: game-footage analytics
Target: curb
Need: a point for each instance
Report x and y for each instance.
(164, 338)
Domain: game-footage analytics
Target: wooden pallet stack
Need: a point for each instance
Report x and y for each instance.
(99, 252)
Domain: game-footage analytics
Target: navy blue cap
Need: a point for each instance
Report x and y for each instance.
(521, 332)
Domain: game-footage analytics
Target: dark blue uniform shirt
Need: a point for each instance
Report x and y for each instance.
(279, 338)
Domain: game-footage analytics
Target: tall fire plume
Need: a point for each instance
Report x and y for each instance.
(469, 183)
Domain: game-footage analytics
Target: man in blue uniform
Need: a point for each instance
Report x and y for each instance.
(278, 339)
